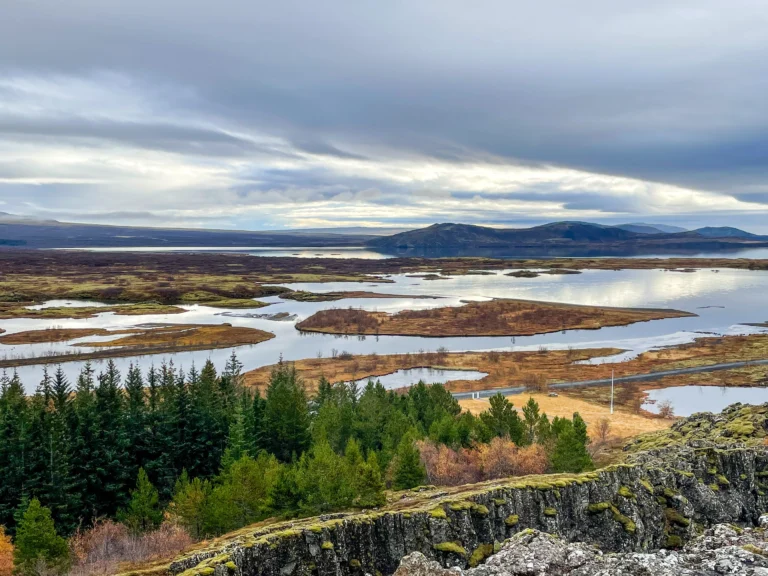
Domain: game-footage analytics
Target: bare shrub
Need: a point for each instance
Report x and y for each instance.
(666, 410)
(500, 458)
(603, 429)
(103, 547)
(493, 356)
(536, 382)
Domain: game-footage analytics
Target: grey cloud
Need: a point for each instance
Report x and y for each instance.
(664, 91)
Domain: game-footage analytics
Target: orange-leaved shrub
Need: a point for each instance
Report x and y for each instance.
(500, 458)
(6, 554)
(103, 547)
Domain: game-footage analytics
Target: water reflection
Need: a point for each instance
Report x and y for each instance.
(722, 301)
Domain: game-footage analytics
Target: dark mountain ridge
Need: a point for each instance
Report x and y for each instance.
(557, 238)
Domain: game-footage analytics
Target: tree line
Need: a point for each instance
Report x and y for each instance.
(202, 449)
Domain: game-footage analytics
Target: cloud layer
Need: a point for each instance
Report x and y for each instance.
(265, 115)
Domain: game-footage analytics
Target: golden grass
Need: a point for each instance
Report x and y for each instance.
(19, 310)
(624, 424)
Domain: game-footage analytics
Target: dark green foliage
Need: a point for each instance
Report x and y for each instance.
(143, 512)
(217, 457)
(286, 415)
(570, 451)
(37, 541)
(409, 471)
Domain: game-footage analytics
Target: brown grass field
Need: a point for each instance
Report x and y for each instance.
(624, 423)
(536, 370)
(492, 318)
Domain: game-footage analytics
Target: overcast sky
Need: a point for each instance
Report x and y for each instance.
(254, 114)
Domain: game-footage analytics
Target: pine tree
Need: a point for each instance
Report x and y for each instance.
(190, 499)
(136, 419)
(409, 472)
(285, 494)
(112, 474)
(286, 417)
(570, 454)
(86, 448)
(143, 512)
(37, 541)
(14, 448)
(502, 419)
(369, 484)
(531, 415)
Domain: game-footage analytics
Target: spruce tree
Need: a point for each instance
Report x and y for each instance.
(112, 474)
(143, 512)
(86, 447)
(570, 454)
(37, 542)
(409, 472)
(286, 416)
(531, 416)
(369, 484)
(14, 448)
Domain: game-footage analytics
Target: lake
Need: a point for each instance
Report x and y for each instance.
(687, 400)
(722, 299)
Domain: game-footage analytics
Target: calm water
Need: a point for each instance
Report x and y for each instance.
(723, 300)
(687, 400)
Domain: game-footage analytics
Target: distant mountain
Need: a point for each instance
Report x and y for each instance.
(30, 233)
(643, 228)
(724, 232)
(556, 239)
(447, 235)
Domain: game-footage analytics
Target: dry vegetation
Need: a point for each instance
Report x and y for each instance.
(536, 370)
(136, 341)
(35, 275)
(108, 548)
(501, 458)
(492, 318)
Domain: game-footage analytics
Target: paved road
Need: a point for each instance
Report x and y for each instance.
(635, 378)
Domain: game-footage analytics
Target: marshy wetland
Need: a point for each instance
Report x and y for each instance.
(137, 307)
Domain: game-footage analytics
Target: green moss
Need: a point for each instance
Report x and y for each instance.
(460, 505)
(550, 511)
(714, 487)
(499, 501)
(674, 517)
(451, 548)
(673, 541)
(742, 476)
(354, 563)
(722, 480)
(661, 500)
(712, 471)
(647, 485)
(231, 566)
(741, 427)
(625, 492)
(438, 512)
(496, 546)
(206, 571)
(316, 528)
(512, 520)
(629, 525)
(327, 545)
(479, 510)
(685, 473)
(669, 493)
(763, 474)
(754, 550)
(479, 554)
(599, 507)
